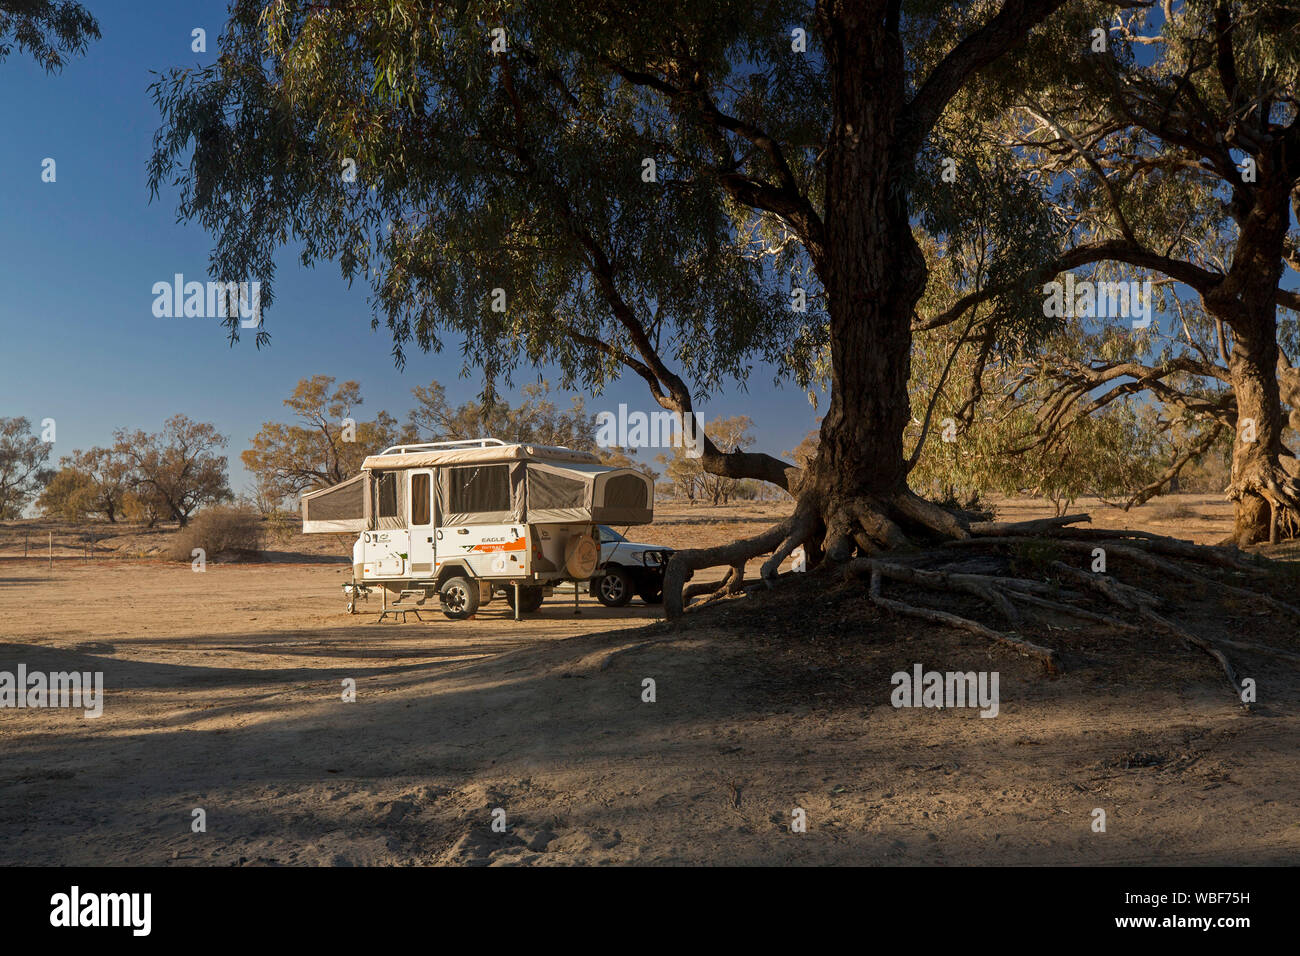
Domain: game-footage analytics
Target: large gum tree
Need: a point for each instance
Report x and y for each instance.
(609, 187)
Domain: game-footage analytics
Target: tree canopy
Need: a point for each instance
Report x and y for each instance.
(48, 30)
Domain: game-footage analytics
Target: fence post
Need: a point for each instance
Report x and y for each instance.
(51, 550)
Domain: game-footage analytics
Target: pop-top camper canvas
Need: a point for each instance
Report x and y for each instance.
(455, 515)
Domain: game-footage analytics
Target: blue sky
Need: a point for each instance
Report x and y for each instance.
(79, 257)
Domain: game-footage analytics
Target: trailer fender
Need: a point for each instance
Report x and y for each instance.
(454, 568)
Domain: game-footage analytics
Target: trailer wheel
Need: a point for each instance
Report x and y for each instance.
(459, 598)
(530, 597)
(613, 588)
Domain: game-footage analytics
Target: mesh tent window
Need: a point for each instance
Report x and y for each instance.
(342, 507)
(625, 491)
(386, 495)
(342, 502)
(623, 496)
(587, 491)
(478, 489)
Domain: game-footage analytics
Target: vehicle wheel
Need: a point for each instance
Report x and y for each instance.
(613, 588)
(459, 598)
(530, 597)
(651, 593)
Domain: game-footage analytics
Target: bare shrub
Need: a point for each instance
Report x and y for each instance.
(219, 530)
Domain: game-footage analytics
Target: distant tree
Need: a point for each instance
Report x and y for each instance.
(536, 420)
(67, 496)
(682, 474)
(22, 466)
(50, 30)
(804, 452)
(145, 507)
(91, 483)
(964, 446)
(688, 474)
(177, 470)
(325, 446)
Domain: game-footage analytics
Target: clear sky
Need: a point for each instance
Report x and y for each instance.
(79, 258)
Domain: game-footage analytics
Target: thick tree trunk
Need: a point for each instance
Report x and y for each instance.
(1246, 302)
(1258, 474)
(874, 273)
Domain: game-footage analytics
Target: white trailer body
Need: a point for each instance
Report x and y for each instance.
(486, 511)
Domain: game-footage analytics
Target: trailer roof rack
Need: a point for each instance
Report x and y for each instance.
(435, 445)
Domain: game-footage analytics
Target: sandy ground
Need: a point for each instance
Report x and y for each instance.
(224, 693)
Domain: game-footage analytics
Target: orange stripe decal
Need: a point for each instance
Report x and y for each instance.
(517, 545)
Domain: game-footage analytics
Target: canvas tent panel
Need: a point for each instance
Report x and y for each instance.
(341, 507)
(561, 492)
(493, 485)
(548, 490)
(624, 496)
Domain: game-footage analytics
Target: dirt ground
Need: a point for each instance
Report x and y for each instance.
(224, 692)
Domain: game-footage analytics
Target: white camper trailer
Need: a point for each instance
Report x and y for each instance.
(463, 517)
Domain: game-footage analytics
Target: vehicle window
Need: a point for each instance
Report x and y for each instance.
(610, 536)
(420, 511)
(478, 488)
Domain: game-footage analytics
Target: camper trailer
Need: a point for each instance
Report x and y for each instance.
(465, 518)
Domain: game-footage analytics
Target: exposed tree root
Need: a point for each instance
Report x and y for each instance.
(1111, 589)
(1033, 526)
(1044, 654)
(1169, 627)
(979, 559)
(1262, 649)
(1280, 490)
(802, 524)
(1070, 610)
(731, 555)
(1154, 562)
(732, 584)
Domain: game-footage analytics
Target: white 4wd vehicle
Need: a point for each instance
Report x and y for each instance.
(626, 568)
